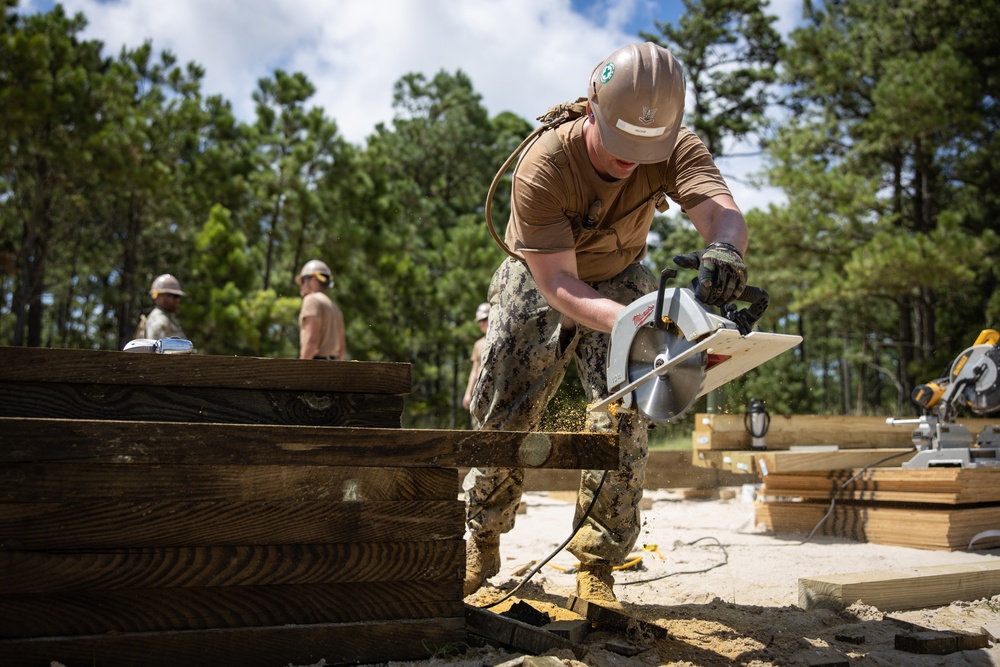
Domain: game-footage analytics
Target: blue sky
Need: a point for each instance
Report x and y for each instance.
(521, 55)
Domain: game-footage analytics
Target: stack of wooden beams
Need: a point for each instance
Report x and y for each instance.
(189, 509)
(932, 508)
(809, 460)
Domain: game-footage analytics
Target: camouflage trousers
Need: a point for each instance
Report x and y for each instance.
(526, 355)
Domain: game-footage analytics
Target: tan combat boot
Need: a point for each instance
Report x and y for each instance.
(482, 561)
(595, 583)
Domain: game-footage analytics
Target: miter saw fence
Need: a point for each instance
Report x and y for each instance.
(972, 381)
(667, 349)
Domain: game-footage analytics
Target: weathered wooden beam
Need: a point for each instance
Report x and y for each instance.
(265, 565)
(64, 482)
(71, 613)
(336, 643)
(72, 440)
(902, 588)
(33, 364)
(116, 524)
(241, 405)
(511, 633)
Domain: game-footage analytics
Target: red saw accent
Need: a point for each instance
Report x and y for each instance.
(715, 359)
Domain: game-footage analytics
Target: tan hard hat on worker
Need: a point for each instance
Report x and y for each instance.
(483, 312)
(165, 284)
(637, 98)
(316, 268)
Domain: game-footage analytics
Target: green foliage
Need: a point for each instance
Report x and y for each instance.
(116, 169)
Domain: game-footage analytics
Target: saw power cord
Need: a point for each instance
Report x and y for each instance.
(724, 561)
(833, 496)
(562, 546)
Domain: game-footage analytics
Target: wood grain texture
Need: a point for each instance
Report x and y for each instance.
(902, 588)
(33, 364)
(337, 644)
(159, 443)
(160, 610)
(106, 525)
(722, 431)
(198, 404)
(953, 486)
(63, 482)
(941, 527)
(183, 567)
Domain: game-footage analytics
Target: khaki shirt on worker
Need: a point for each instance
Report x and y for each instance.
(318, 304)
(606, 222)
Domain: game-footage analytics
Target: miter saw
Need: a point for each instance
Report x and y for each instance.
(972, 381)
(667, 349)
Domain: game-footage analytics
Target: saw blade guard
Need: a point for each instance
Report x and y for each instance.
(679, 306)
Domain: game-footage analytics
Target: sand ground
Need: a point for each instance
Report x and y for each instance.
(725, 590)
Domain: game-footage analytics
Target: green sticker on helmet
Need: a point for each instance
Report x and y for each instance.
(609, 71)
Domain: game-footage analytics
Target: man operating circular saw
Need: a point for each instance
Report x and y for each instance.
(583, 197)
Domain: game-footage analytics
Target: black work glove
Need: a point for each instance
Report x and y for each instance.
(722, 275)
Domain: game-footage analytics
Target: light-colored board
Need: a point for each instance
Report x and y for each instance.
(727, 431)
(926, 528)
(955, 486)
(903, 588)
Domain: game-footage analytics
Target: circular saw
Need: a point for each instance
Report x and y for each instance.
(666, 350)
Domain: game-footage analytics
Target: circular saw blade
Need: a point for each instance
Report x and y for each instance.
(668, 397)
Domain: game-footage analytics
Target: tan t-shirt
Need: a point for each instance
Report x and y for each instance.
(318, 304)
(605, 222)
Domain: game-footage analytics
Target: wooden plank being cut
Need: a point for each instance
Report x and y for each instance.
(159, 443)
(903, 588)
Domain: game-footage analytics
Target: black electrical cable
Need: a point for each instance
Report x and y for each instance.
(562, 546)
(833, 496)
(725, 560)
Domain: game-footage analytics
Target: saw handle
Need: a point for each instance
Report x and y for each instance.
(758, 299)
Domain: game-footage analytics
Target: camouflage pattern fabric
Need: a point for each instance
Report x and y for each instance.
(527, 354)
(160, 324)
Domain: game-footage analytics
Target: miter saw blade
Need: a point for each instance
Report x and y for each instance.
(665, 398)
(983, 395)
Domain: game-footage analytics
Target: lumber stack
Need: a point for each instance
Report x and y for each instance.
(189, 509)
(796, 443)
(810, 459)
(932, 508)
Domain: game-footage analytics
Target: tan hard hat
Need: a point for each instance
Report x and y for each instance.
(483, 312)
(637, 97)
(165, 284)
(315, 267)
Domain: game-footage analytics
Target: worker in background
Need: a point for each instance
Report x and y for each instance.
(483, 318)
(582, 201)
(321, 324)
(162, 322)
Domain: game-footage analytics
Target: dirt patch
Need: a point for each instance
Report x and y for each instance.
(725, 591)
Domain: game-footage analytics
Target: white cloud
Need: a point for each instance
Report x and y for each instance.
(521, 55)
